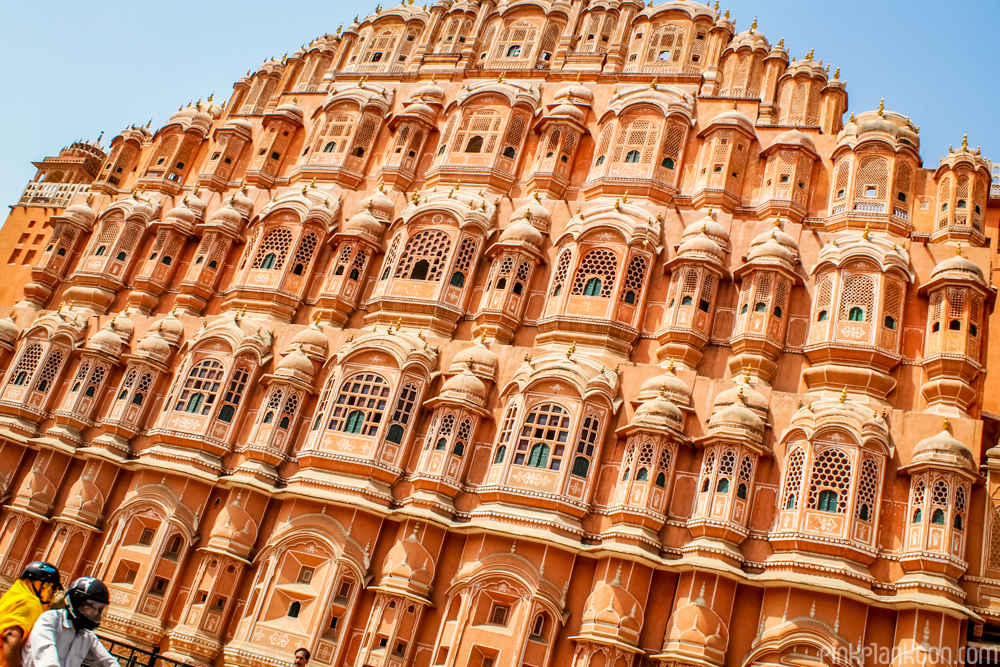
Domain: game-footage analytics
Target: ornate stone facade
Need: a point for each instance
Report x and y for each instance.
(549, 333)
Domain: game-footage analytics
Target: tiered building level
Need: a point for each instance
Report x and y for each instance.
(548, 333)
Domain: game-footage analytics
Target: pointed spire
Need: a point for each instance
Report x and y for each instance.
(753, 26)
(881, 107)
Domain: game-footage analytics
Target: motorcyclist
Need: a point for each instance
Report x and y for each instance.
(65, 637)
(20, 607)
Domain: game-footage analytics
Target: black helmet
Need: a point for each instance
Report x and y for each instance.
(43, 572)
(85, 589)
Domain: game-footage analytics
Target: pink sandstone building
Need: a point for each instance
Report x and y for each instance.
(502, 333)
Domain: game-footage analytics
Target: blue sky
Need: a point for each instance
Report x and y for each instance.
(69, 69)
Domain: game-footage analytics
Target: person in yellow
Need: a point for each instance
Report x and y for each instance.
(20, 607)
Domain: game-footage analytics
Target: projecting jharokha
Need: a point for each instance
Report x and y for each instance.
(554, 333)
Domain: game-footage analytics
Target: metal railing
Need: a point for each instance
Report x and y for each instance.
(133, 656)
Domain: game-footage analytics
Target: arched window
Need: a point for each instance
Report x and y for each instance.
(562, 269)
(201, 387)
(722, 486)
(856, 314)
(831, 471)
(793, 479)
(510, 152)
(601, 264)
(918, 515)
(273, 249)
(501, 452)
(26, 364)
(857, 298)
(938, 516)
(545, 431)
(827, 501)
(429, 249)
(633, 156)
(405, 403)
(330, 147)
(360, 404)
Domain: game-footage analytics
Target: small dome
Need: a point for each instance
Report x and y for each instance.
(752, 398)
(239, 124)
(532, 211)
(80, 212)
(574, 93)
(465, 384)
(105, 340)
(181, 214)
(733, 118)
(313, 339)
(795, 138)
(710, 228)
(521, 230)
(751, 38)
(365, 224)
(419, 109)
(700, 245)
(296, 361)
(170, 327)
(961, 265)
(291, 109)
(770, 248)
(657, 409)
(9, 331)
(226, 215)
(483, 361)
(568, 111)
(737, 414)
(945, 450)
(430, 92)
(154, 345)
(379, 205)
(668, 385)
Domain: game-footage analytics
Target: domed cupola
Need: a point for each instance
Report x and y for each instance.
(9, 331)
(695, 275)
(942, 473)
(669, 386)
(612, 613)
(562, 128)
(312, 342)
(767, 277)
(483, 361)
(787, 180)
(723, 162)
(961, 301)
(963, 185)
(412, 127)
(875, 166)
(514, 259)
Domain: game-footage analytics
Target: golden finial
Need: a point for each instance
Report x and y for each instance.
(363, 81)
(652, 84)
(316, 316)
(59, 309)
(625, 197)
(716, 5)
(502, 76)
(242, 313)
(753, 26)
(864, 234)
(339, 29)
(579, 76)
(726, 15)
(944, 426)
(527, 358)
(746, 375)
(670, 366)
(371, 206)
(843, 395)
(827, 70)
(482, 337)
(809, 56)
(571, 350)
(399, 323)
(469, 364)
(781, 43)
(851, 119)
(958, 249)
(663, 389)
(881, 106)
(965, 142)
(739, 393)
(415, 197)
(618, 204)
(90, 198)
(777, 221)
(836, 73)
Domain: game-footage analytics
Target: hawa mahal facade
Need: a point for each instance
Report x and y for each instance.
(554, 333)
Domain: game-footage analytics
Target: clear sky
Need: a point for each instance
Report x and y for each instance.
(70, 69)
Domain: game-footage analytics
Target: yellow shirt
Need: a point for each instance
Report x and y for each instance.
(19, 607)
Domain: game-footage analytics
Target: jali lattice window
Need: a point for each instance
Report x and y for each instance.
(201, 387)
(596, 275)
(829, 482)
(273, 249)
(793, 480)
(542, 442)
(26, 364)
(424, 256)
(463, 264)
(867, 491)
(562, 268)
(360, 404)
(634, 279)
